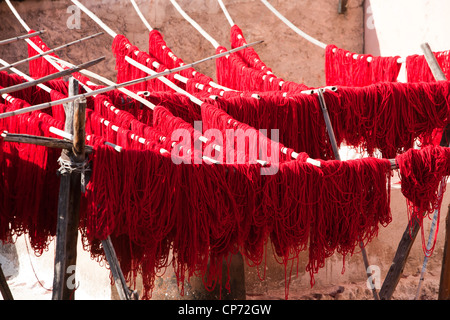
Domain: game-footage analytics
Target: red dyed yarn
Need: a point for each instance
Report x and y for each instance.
(342, 69)
(26, 206)
(121, 48)
(249, 55)
(40, 67)
(417, 69)
(234, 73)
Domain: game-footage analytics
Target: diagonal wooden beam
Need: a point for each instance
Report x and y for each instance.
(4, 288)
(49, 51)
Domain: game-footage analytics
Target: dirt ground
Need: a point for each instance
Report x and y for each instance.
(406, 290)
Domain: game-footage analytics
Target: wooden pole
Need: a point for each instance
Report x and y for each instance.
(410, 234)
(444, 284)
(332, 137)
(69, 200)
(119, 280)
(48, 52)
(41, 141)
(399, 261)
(56, 75)
(432, 62)
(4, 288)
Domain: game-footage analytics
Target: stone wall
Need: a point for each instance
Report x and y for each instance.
(290, 56)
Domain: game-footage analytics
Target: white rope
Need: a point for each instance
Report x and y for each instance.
(141, 15)
(297, 30)
(108, 82)
(177, 76)
(195, 25)
(31, 43)
(308, 37)
(95, 18)
(225, 11)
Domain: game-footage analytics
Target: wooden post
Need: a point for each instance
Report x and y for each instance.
(399, 261)
(41, 141)
(444, 284)
(4, 288)
(119, 280)
(69, 200)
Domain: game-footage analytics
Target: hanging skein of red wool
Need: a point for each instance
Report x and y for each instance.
(244, 143)
(40, 67)
(290, 204)
(222, 68)
(158, 48)
(159, 202)
(390, 116)
(326, 210)
(34, 208)
(33, 95)
(423, 174)
(341, 68)
(248, 54)
(8, 167)
(122, 48)
(176, 128)
(344, 221)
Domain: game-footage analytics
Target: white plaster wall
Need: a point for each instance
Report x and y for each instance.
(399, 27)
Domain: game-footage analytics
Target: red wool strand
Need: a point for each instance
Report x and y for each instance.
(418, 70)
(422, 173)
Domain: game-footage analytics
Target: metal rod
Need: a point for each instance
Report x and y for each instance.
(338, 157)
(121, 85)
(56, 75)
(25, 36)
(49, 52)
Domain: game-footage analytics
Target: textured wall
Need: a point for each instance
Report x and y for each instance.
(290, 56)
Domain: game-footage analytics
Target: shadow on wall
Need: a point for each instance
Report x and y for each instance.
(371, 43)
